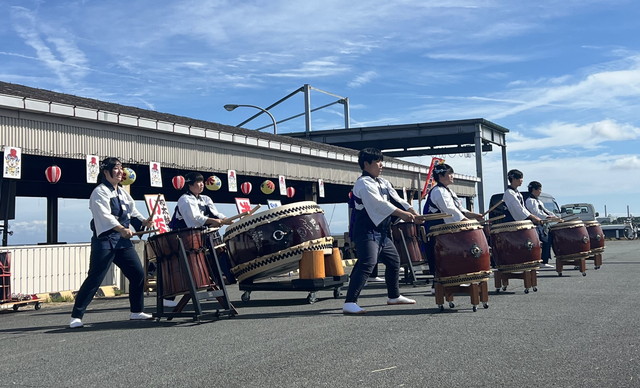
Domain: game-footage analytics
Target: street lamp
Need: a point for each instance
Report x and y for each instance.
(231, 107)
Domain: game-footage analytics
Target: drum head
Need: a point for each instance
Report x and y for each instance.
(454, 227)
(511, 226)
(567, 225)
(271, 215)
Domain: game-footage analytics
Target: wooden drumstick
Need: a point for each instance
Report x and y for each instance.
(433, 216)
(492, 208)
(493, 219)
(140, 233)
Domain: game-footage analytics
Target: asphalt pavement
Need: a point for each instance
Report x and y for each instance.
(575, 331)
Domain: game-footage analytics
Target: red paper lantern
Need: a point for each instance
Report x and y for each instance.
(291, 192)
(246, 187)
(178, 182)
(53, 174)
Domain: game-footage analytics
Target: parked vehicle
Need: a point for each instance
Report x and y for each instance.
(584, 211)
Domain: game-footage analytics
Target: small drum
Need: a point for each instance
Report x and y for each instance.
(596, 236)
(167, 250)
(272, 242)
(461, 253)
(408, 230)
(570, 240)
(515, 246)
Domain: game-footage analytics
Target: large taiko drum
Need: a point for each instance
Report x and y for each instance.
(596, 236)
(272, 242)
(515, 246)
(166, 247)
(408, 230)
(570, 240)
(461, 253)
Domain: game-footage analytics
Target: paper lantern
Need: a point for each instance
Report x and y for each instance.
(177, 182)
(291, 192)
(128, 176)
(53, 174)
(213, 183)
(246, 187)
(267, 187)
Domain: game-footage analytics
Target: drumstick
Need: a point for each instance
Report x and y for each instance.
(140, 233)
(254, 209)
(493, 219)
(433, 216)
(572, 218)
(492, 208)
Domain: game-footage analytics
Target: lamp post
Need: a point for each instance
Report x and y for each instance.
(231, 107)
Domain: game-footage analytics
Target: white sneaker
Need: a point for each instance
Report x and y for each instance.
(75, 323)
(169, 303)
(400, 300)
(546, 266)
(377, 279)
(352, 308)
(140, 316)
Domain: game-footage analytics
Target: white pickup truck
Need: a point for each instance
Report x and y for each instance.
(586, 212)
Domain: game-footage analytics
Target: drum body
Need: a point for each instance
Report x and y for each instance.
(272, 242)
(570, 240)
(461, 253)
(596, 236)
(409, 231)
(515, 246)
(175, 279)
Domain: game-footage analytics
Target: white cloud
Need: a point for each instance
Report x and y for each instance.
(362, 79)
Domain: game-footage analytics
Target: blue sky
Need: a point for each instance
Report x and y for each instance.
(564, 77)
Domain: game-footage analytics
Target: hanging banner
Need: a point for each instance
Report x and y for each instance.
(321, 188)
(12, 163)
(159, 213)
(429, 182)
(233, 181)
(282, 182)
(155, 174)
(93, 168)
(243, 205)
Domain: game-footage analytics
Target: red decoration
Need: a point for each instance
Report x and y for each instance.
(291, 192)
(178, 182)
(246, 187)
(53, 174)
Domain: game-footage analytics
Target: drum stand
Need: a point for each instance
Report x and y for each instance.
(528, 275)
(410, 269)
(597, 259)
(578, 263)
(477, 290)
(195, 295)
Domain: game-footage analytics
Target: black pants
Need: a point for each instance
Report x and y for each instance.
(129, 263)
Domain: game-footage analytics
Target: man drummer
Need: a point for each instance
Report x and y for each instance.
(443, 200)
(513, 200)
(195, 210)
(376, 203)
(536, 207)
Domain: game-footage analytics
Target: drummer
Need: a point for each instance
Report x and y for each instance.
(376, 203)
(195, 210)
(516, 209)
(113, 210)
(442, 199)
(536, 207)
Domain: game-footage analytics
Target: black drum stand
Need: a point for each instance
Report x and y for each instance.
(195, 295)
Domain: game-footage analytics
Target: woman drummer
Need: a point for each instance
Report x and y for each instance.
(536, 207)
(113, 211)
(442, 200)
(195, 210)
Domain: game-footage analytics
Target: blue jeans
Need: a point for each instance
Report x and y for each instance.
(375, 247)
(129, 263)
